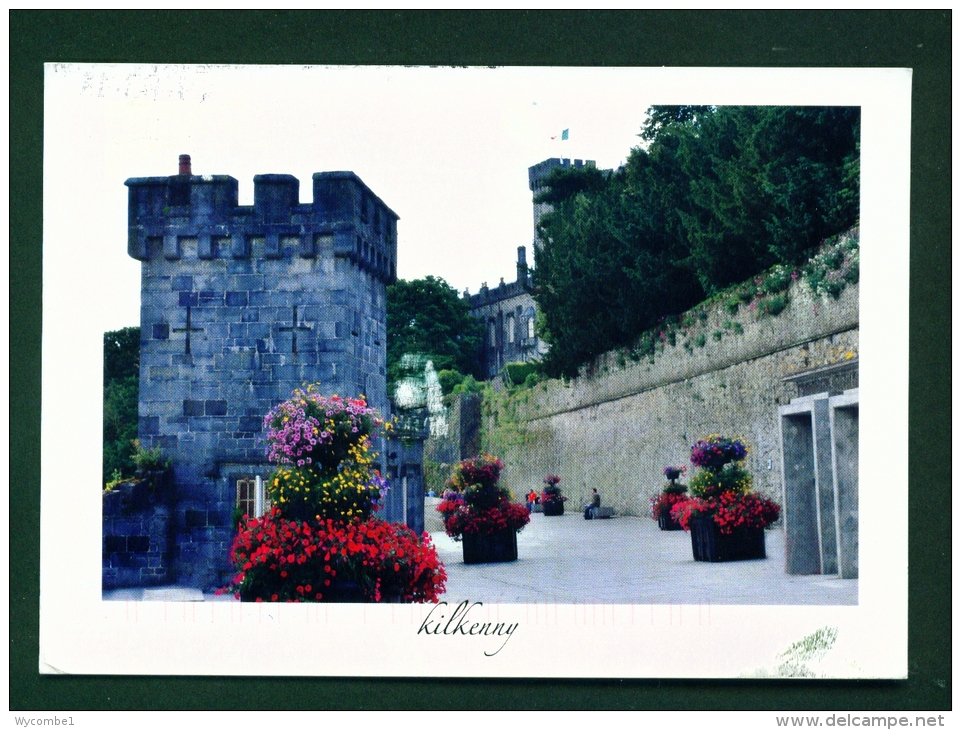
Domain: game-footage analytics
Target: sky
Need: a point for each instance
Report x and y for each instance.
(447, 149)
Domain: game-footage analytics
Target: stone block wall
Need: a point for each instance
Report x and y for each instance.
(463, 432)
(616, 428)
(137, 540)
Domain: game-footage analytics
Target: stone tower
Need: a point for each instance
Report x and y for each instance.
(536, 178)
(239, 306)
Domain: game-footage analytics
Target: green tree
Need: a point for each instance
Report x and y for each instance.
(606, 267)
(760, 185)
(717, 195)
(427, 316)
(121, 379)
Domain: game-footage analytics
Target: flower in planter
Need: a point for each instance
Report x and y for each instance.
(673, 473)
(309, 428)
(300, 561)
(731, 477)
(664, 502)
(552, 493)
(715, 451)
(721, 489)
(672, 493)
(320, 539)
(474, 504)
(729, 511)
(483, 470)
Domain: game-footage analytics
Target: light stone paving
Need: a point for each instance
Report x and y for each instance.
(624, 560)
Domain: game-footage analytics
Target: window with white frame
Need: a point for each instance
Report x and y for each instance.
(252, 496)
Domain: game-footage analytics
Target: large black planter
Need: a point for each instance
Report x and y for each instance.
(553, 508)
(345, 591)
(711, 546)
(665, 522)
(499, 547)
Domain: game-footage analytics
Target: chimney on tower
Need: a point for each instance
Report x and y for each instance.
(522, 263)
(185, 165)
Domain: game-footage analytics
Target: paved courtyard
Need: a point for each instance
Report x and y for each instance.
(570, 560)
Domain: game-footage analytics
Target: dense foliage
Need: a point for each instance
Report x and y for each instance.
(719, 195)
(121, 382)
(428, 317)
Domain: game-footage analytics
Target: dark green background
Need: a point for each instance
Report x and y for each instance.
(917, 39)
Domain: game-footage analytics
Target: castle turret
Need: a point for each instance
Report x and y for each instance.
(537, 176)
(240, 305)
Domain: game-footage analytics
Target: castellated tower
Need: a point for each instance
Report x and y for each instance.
(241, 305)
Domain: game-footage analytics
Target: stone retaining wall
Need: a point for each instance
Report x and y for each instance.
(617, 428)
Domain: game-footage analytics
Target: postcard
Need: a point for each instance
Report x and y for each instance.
(594, 517)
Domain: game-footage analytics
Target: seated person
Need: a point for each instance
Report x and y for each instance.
(591, 508)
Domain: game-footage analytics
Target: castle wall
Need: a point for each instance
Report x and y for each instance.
(240, 305)
(617, 427)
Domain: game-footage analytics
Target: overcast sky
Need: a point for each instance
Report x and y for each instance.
(446, 149)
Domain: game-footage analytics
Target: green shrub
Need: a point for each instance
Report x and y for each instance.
(449, 379)
(515, 373)
(150, 459)
(835, 266)
(773, 305)
(468, 385)
(777, 280)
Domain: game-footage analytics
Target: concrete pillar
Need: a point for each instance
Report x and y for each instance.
(800, 491)
(844, 429)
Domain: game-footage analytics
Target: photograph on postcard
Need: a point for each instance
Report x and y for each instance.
(539, 349)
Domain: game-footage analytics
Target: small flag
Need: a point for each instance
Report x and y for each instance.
(564, 135)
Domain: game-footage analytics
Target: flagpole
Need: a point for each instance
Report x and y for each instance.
(564, 136)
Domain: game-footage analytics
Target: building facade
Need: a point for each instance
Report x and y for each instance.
(240, 305)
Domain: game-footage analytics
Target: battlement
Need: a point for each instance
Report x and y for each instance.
(499, 293)
(536, 174)
(344, 216)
